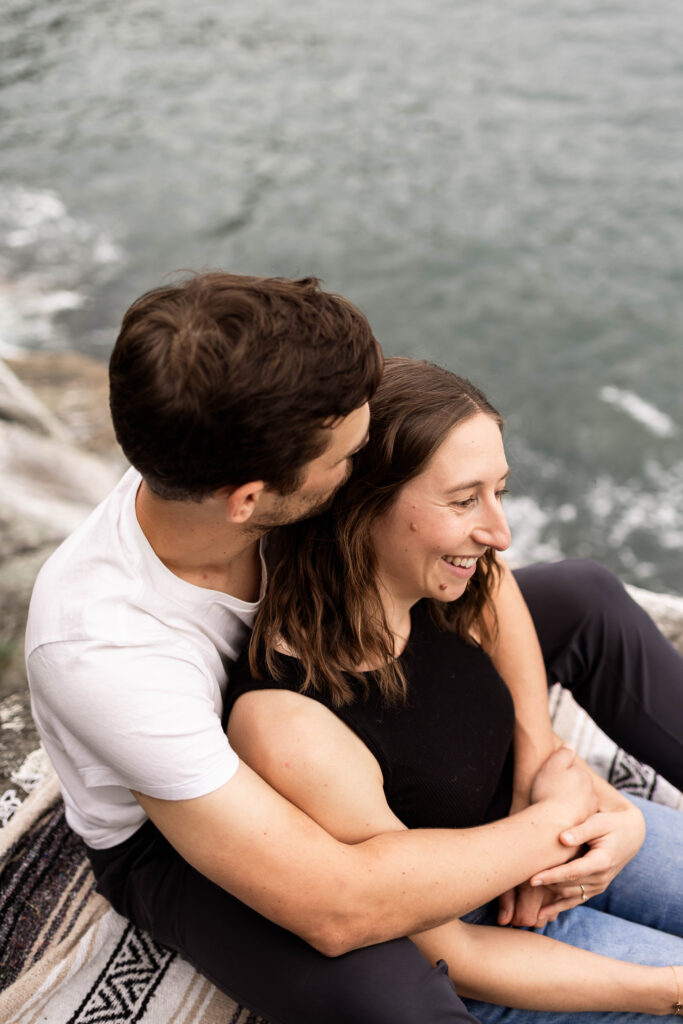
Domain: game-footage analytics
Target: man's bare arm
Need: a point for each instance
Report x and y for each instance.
(334, 776)
(342, 895)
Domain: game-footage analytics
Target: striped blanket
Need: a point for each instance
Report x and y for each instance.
(67, 958)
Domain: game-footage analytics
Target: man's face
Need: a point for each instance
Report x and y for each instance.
(322, 477)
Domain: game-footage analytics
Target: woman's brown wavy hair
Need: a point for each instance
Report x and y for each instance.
(322, 597)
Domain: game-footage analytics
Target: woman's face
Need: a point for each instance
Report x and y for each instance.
(427, 544)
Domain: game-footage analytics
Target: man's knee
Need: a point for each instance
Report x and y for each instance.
(574, 588)
(587, 574)
(593, 588)
(394, 986)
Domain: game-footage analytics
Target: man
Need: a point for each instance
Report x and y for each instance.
(240, 402)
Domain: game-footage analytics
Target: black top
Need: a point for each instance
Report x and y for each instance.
(446, 754)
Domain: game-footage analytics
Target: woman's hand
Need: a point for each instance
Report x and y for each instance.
(612, 838)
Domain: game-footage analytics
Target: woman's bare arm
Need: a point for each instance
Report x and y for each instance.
(320, 765)
(521, 969)
(613, 836)
(516, 654)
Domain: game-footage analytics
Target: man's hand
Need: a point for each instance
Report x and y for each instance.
(612, 838)
(525, 906)
(521, 906)
(530, 906)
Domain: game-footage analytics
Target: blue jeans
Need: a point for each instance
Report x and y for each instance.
(639, 918)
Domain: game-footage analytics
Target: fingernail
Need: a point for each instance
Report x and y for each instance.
(537, 881)
(569, 838)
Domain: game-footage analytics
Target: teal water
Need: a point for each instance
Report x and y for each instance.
(498, 185)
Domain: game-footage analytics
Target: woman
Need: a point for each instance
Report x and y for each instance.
(394, 613)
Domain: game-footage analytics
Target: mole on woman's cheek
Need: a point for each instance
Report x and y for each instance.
(413, 527)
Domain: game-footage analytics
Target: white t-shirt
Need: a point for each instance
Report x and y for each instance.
(127, 667)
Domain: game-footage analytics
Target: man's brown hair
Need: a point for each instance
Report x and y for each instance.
(220, 379)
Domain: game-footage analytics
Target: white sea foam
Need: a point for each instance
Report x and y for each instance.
(634, 524)
(529, 525)
(653, 505)
(27, 312)
(27, 212)
(52, 260)
(656, 421)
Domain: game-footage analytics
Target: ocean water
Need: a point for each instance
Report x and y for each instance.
(498, 186)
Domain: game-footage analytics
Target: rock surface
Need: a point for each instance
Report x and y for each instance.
(665, 609)
(58, 458)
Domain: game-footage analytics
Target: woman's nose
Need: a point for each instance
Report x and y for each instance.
(494, 530)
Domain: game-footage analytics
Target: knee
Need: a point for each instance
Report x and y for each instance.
(410, 996)
(589, 587)
(432, 997)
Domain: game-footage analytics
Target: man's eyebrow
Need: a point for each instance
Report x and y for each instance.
(472, 484)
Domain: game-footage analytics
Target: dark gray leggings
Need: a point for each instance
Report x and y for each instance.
(596, 641)
(602, 646)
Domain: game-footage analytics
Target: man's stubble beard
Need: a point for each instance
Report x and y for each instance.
(290, 508)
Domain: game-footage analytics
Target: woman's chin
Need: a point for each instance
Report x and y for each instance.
(448, 592)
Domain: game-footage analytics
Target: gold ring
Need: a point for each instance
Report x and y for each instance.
(583, 893)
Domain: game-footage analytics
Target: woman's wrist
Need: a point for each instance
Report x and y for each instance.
(661, 991)
(526, 770)
(677, 1006)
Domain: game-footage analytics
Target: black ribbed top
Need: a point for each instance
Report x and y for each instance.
(446, 754)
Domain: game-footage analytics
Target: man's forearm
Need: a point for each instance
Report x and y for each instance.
(410, 881)
(257, 845)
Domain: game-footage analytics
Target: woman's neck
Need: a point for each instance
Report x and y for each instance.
(397, 614)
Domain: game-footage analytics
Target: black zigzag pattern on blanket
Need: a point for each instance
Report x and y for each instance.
(121, 993)
(631, 776)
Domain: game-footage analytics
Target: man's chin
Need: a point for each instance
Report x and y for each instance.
(291, 509)
(303, 509)
(317, 507)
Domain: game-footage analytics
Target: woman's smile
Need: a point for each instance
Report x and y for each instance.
(463, 568)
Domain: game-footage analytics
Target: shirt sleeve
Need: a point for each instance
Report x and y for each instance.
(132, 716)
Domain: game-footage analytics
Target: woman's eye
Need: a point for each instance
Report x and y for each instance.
(465, 503)
(499, 494)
